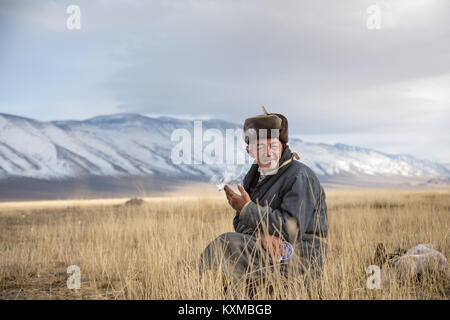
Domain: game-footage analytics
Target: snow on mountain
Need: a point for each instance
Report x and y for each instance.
(330, 160)
(132, 144)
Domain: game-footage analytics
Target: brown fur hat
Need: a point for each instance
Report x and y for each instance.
(267, 121)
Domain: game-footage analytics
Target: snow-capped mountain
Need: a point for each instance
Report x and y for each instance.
(133, 144)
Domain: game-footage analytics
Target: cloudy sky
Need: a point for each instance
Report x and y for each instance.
(316, 62)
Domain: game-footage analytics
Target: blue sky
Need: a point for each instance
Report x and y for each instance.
(314, 61)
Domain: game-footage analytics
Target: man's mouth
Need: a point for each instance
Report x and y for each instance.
(269, 162)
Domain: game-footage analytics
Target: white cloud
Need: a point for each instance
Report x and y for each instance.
(431, 89)
(314, 61)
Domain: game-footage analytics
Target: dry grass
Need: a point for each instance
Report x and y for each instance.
(152, 251)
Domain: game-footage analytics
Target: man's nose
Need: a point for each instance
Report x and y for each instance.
(269, 151)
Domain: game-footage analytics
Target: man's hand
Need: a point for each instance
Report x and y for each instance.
(235, 200)
(271, 244)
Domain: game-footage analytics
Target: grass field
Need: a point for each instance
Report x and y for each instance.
(151, 251)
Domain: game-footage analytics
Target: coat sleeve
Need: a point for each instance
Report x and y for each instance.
(302, 214)
(239, 226)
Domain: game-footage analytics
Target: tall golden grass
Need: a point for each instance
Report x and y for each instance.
(152, 251)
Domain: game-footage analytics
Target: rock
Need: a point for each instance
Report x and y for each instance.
(135, 202)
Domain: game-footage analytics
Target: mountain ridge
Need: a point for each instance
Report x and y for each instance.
(134, 144)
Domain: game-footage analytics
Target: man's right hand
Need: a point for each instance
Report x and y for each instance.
(272, 244)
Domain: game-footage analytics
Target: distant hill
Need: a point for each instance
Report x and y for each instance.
(126, 145)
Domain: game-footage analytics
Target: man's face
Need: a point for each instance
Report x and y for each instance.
(267, 151)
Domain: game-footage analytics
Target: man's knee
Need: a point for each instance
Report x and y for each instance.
(231, 241)
(217, 248)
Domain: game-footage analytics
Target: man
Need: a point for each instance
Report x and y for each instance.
(281, 205)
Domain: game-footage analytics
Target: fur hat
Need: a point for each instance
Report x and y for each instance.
(267, 121)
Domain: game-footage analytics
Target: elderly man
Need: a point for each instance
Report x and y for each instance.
(281, 213)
